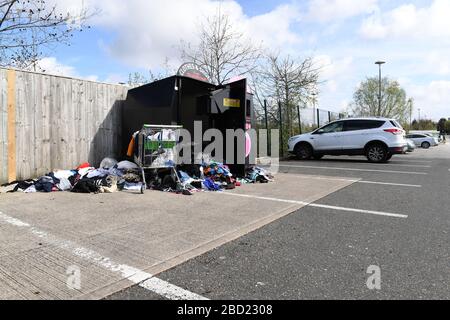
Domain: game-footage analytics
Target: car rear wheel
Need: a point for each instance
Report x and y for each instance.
(303, 151)
(377, 153)
(426, 145)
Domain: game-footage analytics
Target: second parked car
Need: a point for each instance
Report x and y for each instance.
(376, 138)
(423, 140)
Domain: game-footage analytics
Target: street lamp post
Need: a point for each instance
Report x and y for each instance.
(419, 119)
(314, 95)
(379, 63)
(410, 101)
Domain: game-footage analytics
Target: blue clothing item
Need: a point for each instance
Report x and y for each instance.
(170, 164)
(183, 176)
(211, 185)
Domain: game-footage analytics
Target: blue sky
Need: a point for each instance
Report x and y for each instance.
(345, 36)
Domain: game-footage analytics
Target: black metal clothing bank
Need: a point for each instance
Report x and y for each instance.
(180, 100)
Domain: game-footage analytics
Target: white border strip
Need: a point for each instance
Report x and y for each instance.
(352, 169)
(407, 165)
(362, 181)
(379, 213)
(412, 160)
(391, 184)
(139, 277)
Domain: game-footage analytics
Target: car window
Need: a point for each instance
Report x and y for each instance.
(332, 127)
(396, 124)
(354, 125)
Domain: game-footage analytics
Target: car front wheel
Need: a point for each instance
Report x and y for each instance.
(377, 153)
(303, 151)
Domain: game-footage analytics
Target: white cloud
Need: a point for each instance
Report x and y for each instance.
(409, 21)
(148, 32)
(433, 98)
(115, 78)
(331, 10)
(274, 28)
(437, 62)
(51, 65)
(334, 72)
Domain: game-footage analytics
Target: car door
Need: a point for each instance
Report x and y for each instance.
(328, 137)
(414, 138)
(419, 139)
(356, 133)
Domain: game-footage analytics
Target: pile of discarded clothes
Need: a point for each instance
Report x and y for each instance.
(109, 178)
(216, 176)
(113, 176)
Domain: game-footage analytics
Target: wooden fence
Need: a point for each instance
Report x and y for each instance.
(49, 122)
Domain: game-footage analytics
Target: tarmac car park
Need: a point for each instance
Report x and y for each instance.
(393, 216)
(314, 233)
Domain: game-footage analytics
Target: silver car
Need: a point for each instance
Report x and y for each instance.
(423, 140)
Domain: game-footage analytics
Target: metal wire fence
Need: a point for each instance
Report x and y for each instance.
(304, 120)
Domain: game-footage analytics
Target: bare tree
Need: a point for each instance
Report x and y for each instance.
(288, 81)
(222, 52)
(27, 28)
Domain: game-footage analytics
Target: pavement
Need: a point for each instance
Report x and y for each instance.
(77, 246)
(324, 250)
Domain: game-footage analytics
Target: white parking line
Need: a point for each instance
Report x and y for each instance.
(352, 169)
(407, 165)
(136, 276)
(363, 181)
(391, 184)
(411, 160)
(388, 164)
(379, 213)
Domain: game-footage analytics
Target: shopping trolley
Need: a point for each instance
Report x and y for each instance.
(156, 149)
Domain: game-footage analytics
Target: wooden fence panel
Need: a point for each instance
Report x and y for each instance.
(59, 123)
(3, 125)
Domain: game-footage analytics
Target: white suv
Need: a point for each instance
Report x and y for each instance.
(376, 138)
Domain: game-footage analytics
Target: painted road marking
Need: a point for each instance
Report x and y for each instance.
(136, 276)
(384, 164)
(353, 169)
(391, 184)
(405, 165)
(362, 181)
(309, 204)
(411, 160)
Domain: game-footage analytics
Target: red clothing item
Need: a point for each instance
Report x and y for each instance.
(84, 165)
